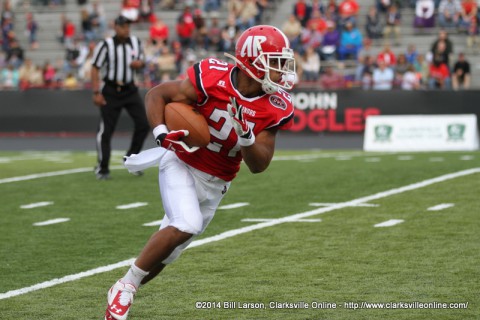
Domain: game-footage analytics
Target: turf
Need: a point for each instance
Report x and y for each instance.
(341, 261)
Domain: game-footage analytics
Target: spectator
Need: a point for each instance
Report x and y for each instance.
(24, 72)
(246, 14)
(211, 6)
(468, 21)
(9, 78)
(348, 11)
(393, 24)
(214, 33)
(75, 56)
(98, 19)
(422, 68)
(32, 29)
(36, 78)
(311, 65)
(68, 31)
(331, 80)
(317, 5)
(382, 77)
(383, 5)
(449, 12)
(151, 75)
(411, 54)
(166, 63)
(293, 29)
(311, 37)
(365, 75)
(468, 15)
(319, 22)
(85, 70)
(440, 53)
(145, 11)
(159, 31)
(49, 74)
(424, 14)
(186, 28)
(331, 11)
(410, 80)
(387, 56)
(351, 42)
(439, 76)
(70, 82)
(374, 25)
(15, 54)
(7, 12)
(87, 27)
(400, 69)
(229, 34)
(331, 41)
(461, 73)
(200, 34)
(302, 11)
(131, 9)
(443, 37)
(262, 5)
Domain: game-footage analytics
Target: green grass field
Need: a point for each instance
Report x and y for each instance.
(341, 260)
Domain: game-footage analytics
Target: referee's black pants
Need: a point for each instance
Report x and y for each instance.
(119, 98)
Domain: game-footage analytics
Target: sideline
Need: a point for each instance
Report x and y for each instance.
(236, 232)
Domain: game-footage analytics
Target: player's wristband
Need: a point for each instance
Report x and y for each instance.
(158, 130)
(247, 139)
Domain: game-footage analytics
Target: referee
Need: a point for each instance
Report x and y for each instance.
(121, 55)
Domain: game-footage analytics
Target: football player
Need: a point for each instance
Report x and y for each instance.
(245, 104)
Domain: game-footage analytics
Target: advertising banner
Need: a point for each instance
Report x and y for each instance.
(421, 133)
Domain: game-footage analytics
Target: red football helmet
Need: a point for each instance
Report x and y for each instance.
(262, 49)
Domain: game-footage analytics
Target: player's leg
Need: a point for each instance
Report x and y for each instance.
(136, 111)
(180, 201)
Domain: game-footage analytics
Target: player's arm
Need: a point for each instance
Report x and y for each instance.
(258, 156)
(155, 101)
(170, 91)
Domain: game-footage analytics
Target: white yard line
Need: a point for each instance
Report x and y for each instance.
(441, 206)
(264, 220)
(36, 205)
(52, 221)
(258, 226)
(233, 205)
(327, 204)
(132, 205)
(389, 223)
(52, 174)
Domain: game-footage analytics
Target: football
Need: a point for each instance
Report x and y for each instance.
(181, 116)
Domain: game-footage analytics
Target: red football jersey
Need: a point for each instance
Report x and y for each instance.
(212, 79)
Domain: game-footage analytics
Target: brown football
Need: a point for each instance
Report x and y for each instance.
(181, 116)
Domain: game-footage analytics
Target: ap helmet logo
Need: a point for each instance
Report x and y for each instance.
(251, 45)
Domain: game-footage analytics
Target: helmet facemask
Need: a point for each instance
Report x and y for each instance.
(283, 63)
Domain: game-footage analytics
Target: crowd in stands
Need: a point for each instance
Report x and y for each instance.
(325, 34)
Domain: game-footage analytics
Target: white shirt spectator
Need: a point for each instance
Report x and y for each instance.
(425, 8)
(382, 77)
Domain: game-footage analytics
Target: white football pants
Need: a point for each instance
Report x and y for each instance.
(190, 198)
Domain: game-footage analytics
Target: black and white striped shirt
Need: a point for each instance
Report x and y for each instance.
(117, 56)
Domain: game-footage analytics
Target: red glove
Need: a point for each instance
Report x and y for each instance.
(173, 141)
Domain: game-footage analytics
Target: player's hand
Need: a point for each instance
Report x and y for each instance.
(245, 134)
(173, 141)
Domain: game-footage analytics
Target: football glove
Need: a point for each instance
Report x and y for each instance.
(244, 132)
(173, 141)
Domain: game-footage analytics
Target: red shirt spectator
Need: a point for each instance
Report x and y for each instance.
(320, 23)
(348, 8)
(387, 56)
(159, 31)
(302, 11)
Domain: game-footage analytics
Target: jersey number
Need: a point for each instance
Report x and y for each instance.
(224, 132)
